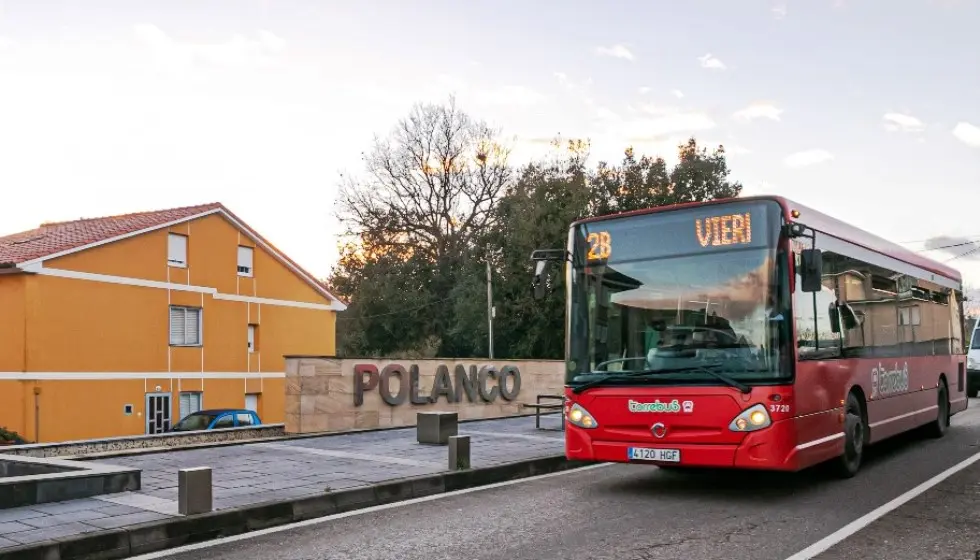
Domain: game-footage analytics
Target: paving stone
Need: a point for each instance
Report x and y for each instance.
(124, 520)
(117, 509)
(15, 527)
(49, 533)
(55, 508)
(5, 543)
(17, 514)
(63, 518)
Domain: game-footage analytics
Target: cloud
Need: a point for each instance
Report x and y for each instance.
(807, 158)
(709, 61)
(616, 51)
(509, 95)
(677, 93)
(666, 123)
(906, 123)
(237, 52)
(758, 111)
(968, 134)
(779, 11)
(606, 114)
(644, 90)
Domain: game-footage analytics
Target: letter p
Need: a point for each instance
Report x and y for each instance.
(362, 383)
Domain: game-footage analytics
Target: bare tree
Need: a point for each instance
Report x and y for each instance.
(431, 187)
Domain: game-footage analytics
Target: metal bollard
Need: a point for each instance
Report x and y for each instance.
(194, 491)
(459, 453)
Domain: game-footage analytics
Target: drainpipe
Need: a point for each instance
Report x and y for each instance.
(37, 414)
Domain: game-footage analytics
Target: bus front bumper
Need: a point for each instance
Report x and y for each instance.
(773, 448)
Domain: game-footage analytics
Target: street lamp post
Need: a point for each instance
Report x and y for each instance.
(490, 308)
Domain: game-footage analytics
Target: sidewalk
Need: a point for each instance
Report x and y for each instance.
(249, 474)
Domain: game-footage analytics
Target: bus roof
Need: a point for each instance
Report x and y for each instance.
(819, 221)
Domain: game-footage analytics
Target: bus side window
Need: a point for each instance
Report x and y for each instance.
(816, 338)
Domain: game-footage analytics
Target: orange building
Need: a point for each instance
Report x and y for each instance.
(122, 325)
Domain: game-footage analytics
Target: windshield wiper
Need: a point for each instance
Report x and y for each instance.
(618, 376)
(716, 374)
(626, 375)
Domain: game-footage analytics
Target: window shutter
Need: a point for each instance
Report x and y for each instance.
(176, 249)
(185, 405)
(245, 260)
(192, 323)
(177, 330)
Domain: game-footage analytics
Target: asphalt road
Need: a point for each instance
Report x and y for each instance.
(627, 512)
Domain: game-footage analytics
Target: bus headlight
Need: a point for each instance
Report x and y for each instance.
(751, 419)
(580, 417)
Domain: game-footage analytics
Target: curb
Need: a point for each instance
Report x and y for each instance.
(164, 534)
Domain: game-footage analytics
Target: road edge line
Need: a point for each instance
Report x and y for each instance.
(853, 527)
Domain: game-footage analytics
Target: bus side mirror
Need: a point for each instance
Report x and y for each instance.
(811, 270)
(834, 319)
(848, 317)
(539, 284)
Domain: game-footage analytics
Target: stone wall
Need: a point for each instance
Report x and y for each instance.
(169, 440)
(325, 394)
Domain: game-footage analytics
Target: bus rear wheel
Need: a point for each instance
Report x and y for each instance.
(849, 463)
(937, 428)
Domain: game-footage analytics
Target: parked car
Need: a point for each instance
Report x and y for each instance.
(217, 419)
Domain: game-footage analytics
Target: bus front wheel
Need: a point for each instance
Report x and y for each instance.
(849, 463)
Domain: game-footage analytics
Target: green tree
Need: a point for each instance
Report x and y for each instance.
(646, 182)
(534, 213)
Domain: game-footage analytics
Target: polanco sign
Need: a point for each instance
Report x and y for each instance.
(485, 384)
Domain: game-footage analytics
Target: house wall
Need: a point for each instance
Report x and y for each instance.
(94, 333)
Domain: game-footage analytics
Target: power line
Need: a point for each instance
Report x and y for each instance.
(961, 255)
(399, 311)
(975, 237)
(950, 246)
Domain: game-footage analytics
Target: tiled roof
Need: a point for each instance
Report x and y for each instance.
(55, 237)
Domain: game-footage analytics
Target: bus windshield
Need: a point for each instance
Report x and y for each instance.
(687, 296)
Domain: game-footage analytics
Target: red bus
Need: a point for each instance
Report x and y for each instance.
(751, 333)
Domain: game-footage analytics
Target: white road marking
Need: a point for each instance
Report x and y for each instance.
(141, 501)
(320, 520)
(506, 435)
(349, 455)
(853, 527)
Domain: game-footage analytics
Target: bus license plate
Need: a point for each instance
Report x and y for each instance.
(648, 454)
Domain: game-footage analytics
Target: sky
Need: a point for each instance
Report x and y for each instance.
(865, 109)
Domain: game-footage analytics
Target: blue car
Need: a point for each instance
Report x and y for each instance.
(217, 419)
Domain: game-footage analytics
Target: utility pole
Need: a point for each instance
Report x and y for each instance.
(490, 308)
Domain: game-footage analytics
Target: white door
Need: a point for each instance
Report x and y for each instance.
(252, 402)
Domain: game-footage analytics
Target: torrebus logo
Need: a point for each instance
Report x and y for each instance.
(673, 406)
(885, 382)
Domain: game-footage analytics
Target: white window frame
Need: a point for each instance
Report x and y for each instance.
(185, 313)
(256, 398)
(246, 260)
(252, 330)
(177, 250)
